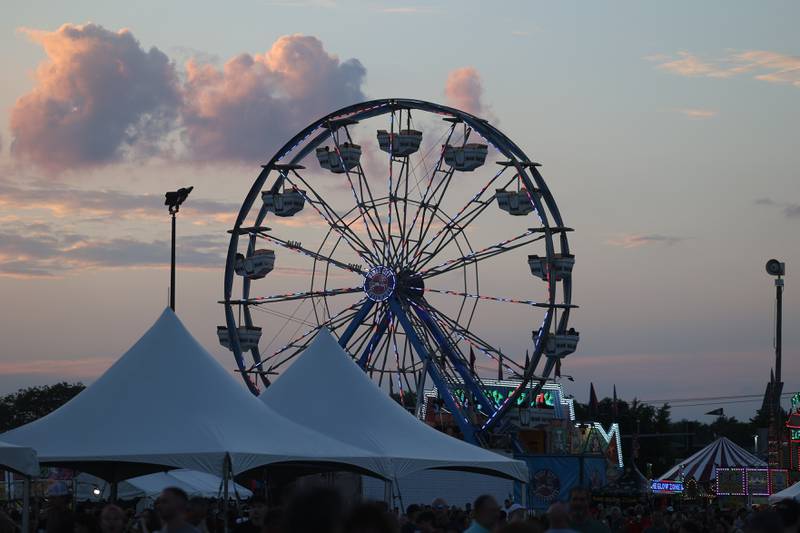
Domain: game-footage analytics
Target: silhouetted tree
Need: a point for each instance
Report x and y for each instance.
(27, 405)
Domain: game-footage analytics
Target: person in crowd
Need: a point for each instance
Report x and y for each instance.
(58, 516)
(516, 513)
(410, 524)
(659, 524)
(319, 510)
(370, 518)
(558, 519)
(426, 522)
(171, 507)
(485, 515)
(789, 511)
(255, 521)
(520, 527)
(768, 521)
(197, 513)
(112, 519)
(580, 519)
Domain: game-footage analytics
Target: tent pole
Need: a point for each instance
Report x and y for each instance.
(26, 505)
(225, 471)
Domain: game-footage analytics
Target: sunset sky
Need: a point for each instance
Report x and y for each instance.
(668, 133)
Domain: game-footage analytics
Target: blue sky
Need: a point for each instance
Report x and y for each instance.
(668, 134)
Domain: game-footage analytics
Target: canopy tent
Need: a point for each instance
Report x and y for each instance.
(168, 403)
(20, 459)
(149, 486)
(789, 493)
(702, 466)
(326, 390)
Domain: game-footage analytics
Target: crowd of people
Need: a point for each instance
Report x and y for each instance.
(323, 510)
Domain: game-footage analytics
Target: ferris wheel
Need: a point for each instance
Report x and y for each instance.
(386, 222)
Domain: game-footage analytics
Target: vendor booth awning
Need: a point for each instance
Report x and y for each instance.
(326, 390)
(168, 403)
(702, 466)
(88, 487)
(20, 459)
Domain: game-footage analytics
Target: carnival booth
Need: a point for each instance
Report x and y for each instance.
(724, 469)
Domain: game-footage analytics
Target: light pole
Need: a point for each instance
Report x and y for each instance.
(173, 201)
(778, 269)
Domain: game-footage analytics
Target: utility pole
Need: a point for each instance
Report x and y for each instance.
(173, 201)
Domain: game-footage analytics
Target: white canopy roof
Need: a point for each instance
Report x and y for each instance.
(168, 402)
(149, 486)
(19, 458)
(789, 493)
(326, 390)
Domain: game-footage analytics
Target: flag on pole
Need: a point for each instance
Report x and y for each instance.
(716, 412)
(614, 408)
(500, 366)
(592, 401)
(471, 360)
(527, 360)
(558, 367)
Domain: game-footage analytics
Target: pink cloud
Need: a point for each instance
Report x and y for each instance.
(247, 109)
(64, 368)
(698, 113)
(636, 240)
(99, 96)
(764, 65)
(464, 90)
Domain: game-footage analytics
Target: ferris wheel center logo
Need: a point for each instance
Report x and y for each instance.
(379, 283)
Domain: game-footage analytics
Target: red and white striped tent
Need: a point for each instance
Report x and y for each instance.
(702, 466)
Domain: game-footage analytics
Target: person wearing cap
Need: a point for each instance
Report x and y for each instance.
(516, 513)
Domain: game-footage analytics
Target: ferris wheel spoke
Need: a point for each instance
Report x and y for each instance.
(531, 303)
(459, 222)
(288, 297)
(299, 344)
(477, 342)
(335, 222)
(360, 200)
(298, 248)
(421, 206)
(481, 255)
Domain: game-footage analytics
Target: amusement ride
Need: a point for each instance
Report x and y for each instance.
(385, 222)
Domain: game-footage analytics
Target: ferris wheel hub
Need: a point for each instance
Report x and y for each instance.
(380, 283)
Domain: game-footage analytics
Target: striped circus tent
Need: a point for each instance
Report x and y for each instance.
(702, 466)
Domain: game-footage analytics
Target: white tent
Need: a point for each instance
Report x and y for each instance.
(789, 493)
(326, 390)
(168, 403)
(20, 459)
(150, 486)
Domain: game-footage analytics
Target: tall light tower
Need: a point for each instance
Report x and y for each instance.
(173, 201)
(778, 269)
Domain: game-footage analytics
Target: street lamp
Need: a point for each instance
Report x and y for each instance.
(778, 270)
(173, 201)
